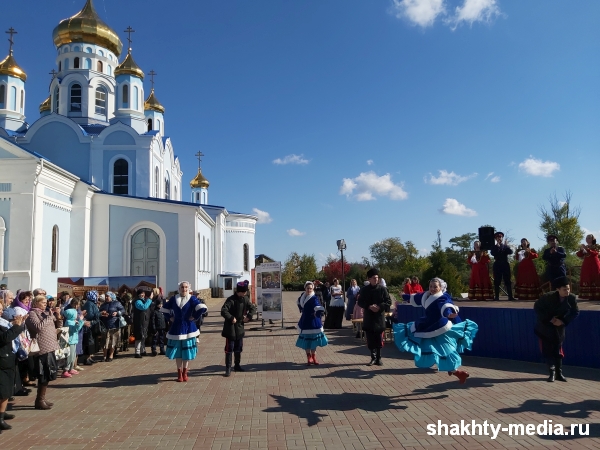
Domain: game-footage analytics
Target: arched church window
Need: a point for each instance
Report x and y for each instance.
(56, 99)
(246, 258)
(156, 182)
(110, 70)
(76, 63)
(198, 197)
(207, 254)
(13, 98)
(100, 52)
(99, 66)
(77, 48)
(66, 63)
(75, 103)
(145, 252)
(136, 93)
(88, 63)
(125, 96)
(2, 96)
(59, 66)
(54, 262)
(149, 124)
(88, 49)
(167, 187)
(22, 101)
(101, 101)
(157, 124)
(203, 253)
(121, 177)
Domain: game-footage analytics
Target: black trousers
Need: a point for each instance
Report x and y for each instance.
(374, 339)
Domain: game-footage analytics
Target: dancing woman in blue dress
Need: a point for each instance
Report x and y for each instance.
(440, 335)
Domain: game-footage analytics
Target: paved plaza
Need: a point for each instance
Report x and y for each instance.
(280, 403)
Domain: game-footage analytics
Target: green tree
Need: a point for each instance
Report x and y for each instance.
(307, 269)
(562, 220)
(290, 269)
(440, 267)
(396, 260)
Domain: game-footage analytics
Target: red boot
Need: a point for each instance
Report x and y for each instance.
(179, 375)
(310, 359)
(314, 359)
(461, 375)
(185, 374)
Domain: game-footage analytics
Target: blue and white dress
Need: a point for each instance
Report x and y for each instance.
(311, 328)
(181, 338)
(434, 338)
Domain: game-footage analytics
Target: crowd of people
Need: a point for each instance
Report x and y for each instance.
(528, 284)
(42, 337)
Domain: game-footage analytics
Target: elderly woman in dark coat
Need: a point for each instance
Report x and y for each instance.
(42, 326)
(8, 333)
(141, 320)
(93, 317)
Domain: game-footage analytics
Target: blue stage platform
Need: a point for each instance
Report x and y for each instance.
(508, 333)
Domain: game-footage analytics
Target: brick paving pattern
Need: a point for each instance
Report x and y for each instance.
(280, 403)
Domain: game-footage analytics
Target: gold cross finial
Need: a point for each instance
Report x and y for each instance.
(53, 73)
(12, 32)
(129, 30)
(152, 74)
(199, 155)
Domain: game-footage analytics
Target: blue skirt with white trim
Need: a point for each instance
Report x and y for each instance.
(443, 350)
(185, 349)
(310, 341)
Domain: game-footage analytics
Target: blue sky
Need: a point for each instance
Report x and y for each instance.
(363, 119)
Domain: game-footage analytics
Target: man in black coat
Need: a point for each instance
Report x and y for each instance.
(555, 310)
(555, 259)
(8, 362)
(500, 252)
(237, 310)
(375, 300)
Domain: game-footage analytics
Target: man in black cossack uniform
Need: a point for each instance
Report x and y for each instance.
(500, 252)
(555, 310)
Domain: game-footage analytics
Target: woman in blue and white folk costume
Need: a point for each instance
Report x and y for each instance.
(310, 326)
(182, 311)
(438, 337)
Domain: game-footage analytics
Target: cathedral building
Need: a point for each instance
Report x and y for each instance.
(93, 186)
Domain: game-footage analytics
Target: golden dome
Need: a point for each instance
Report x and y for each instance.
(8, 66)
(199, 181)
(129, 67)
(153, 104)
(45, 105)
(87, 26)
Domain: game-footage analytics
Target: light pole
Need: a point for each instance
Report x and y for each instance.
(341, 245)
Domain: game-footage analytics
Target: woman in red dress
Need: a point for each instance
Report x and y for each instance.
(406, 287)
(415, 287)
(527, 286)
(589, 282)
(480, 285)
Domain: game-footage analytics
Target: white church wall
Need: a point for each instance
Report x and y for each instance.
(54, 215)
(79, 254)
(204, 252)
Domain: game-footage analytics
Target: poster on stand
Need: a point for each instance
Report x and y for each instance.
(268, 290)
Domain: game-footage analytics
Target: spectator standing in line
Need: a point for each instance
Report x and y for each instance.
(141, 320)
(73, 320)
(110, 312)
(92, 316)
(158, 327)
(11, 326)
(351, 293)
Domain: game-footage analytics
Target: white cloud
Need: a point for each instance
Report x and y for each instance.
(495, 179)
(419, 12)
(539, 168)
(488, 175)
(452, 206)
(474, 11)
(424, 13)
(368, 184)
(294, 232)
(369, 162)
(263, 216)
(448, 178)
(291, 159)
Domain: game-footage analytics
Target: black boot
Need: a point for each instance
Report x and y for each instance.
(559, 375)
(373, 358)
(551, 369)
(238, 358)
(509, 290)
(3, 424)
(227, 364)
(378, 358)
(496, 293)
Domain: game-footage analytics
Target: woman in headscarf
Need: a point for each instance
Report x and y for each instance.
(440, 335)
(311, 329)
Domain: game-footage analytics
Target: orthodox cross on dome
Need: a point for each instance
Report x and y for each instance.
(129, 30)
(152, 74)
(199, 155)
(53, 73)
(12, 32)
